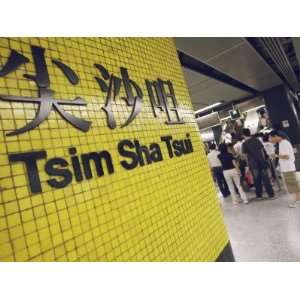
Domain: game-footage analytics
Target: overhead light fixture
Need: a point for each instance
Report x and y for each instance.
(208, 107)
(223, 119)
(255, 108)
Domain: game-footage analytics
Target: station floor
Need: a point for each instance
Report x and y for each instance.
(263, 231)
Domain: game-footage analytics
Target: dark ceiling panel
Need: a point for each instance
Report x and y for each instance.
(205, 48)
(245, 65)
(194, 64)
(210, 91)
(232, 56)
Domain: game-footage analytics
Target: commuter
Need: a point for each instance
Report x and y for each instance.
(264, 121)
(287, 166)
(270, 151)
(278, 127)
(231, 174)
(269, 147)
(260, 136)
(242, 163)
(217, 171)
(283, 134)
(254, 153)
(238, 146)
(230, 149)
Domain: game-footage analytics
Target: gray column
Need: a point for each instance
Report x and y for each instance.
(280, 105)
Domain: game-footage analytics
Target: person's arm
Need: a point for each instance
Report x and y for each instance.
(244, 155)
(209, 163)
(235, 154)
(236, 165)
(282, 156)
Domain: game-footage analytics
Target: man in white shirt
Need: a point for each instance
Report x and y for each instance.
(286, 159)
(217, 170)
(238, 146)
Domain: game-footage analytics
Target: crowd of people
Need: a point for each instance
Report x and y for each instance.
(259, 161)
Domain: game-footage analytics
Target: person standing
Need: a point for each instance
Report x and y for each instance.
(268, 146)
(255, 155)
(238, 146)
(217, 170)
(278, 127)
(231, 174)
(270, 151)
(286, 160)
(241, 162)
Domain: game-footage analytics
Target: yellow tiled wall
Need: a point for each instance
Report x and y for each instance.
(164, 211)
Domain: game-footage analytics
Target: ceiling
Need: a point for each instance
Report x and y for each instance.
(232, 56)
(205, 91)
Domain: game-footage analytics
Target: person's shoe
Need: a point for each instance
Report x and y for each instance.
(295, 204)
(272, 197)
(235, 203)
(258, 198)
(245, 201)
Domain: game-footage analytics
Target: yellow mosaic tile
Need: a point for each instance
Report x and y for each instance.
(163, 211)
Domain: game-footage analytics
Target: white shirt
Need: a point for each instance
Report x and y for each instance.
(269, 147)
(285, 148)
(238, 148)
(228, 138)
(213, 159)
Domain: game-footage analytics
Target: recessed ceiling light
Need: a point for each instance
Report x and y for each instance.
(208, 107)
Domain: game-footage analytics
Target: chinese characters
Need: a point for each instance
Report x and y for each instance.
(45, 99)
(161, 93)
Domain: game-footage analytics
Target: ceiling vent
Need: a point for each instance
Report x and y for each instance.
(278, 52)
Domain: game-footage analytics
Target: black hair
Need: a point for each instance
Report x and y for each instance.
(223, 148)
(212, 146)
(266, 138)
(246, 132)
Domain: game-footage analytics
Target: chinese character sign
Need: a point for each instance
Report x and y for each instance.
(161, 93)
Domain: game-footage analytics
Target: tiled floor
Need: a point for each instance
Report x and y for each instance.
(266, 230)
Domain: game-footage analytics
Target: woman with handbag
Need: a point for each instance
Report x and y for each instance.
(232, 174)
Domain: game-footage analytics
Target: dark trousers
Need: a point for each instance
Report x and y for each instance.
(219, 177)
(261, 178)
